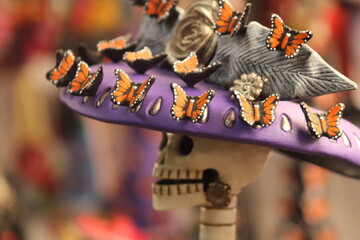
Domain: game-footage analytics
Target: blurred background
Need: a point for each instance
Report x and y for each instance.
(71, 178)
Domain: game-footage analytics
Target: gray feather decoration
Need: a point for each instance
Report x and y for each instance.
(305, 76)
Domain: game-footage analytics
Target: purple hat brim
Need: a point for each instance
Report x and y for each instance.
(338, 155)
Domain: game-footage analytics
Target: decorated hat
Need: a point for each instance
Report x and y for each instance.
(219, 78)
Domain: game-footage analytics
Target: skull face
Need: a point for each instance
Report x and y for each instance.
(187, 166)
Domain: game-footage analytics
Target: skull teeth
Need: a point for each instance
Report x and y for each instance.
(183, 188)
(170, 173)
(176, 181)
(177, 189)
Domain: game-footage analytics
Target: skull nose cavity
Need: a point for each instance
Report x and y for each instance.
(164, 141)
(209, 175)
(162, 159)
(185, 145)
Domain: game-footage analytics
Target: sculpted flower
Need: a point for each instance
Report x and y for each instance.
(249, 85)
(194, 33)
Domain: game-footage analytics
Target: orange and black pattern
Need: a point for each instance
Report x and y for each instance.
(190, 71)
(144, 54)
(257, 114)
(283, 38)
(85, 82)
(188, 65)
(189, 107)
(161, 9)
(230, 21)
(116, 43)
(59, 74)
(128, 93)
(324, 124)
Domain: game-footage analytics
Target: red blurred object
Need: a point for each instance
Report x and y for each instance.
(116, 228)
(8, 235)
(337, 17)
(6, 28)
(32, 167)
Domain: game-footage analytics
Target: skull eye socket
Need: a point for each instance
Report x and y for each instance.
(164, 141)
(186, 145)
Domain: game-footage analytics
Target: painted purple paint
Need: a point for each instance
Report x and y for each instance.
(334, 155)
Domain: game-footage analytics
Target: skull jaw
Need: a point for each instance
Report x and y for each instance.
(179, 187)
(185, 179)
(174, 196)
(169, 202)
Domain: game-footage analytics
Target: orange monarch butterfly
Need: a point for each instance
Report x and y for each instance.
(144, 53)
(64, 70)
(85, 82)
(259, 113)
(115, 48)
(160, 8)
(282, 37)
(230, 21)
(143, 60)
(58, 57)
(189, 107)
(324, 124)
(189, 70)
(128, 93)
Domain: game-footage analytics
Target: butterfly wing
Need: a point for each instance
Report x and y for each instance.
(59, 56)
(226, 18)
(284, 38)
(295, 42)
(145, 54)
(187, 65)
(124, 89)
(129, 56)
(192, 78)
(332, 119)
(117, 43)
(142, 65)
(65, 65)
(277, 33)
(200, 105)
(312, 120)
(94, 82)
(181, 102)
(246, 108)
(242, 19)
(141, 92)
(85, 83)
(267, 109)
(102, 45)
(152, 7)
(114, 49)
(165, 9)
(82, 77)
